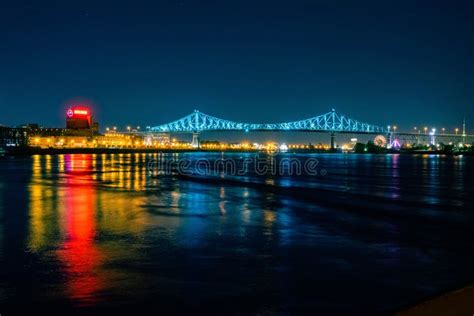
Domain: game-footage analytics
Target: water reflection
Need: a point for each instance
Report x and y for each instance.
(79, 254)
(71, 201)
(100, 230)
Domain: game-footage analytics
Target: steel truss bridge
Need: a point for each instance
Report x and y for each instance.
(332, 122)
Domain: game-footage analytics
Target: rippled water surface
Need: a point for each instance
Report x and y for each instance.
(100, 232)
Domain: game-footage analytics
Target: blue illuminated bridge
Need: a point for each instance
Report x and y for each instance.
(331, 122)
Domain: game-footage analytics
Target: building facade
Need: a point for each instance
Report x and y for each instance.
(13, 136)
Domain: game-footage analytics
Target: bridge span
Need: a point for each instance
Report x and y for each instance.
(330, 122)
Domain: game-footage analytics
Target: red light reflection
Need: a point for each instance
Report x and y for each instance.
(82, 259)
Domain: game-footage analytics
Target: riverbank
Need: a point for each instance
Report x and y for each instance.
(61, 151)
(26, 151)
(458, 302)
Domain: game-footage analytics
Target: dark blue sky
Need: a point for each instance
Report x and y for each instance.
(147, 63)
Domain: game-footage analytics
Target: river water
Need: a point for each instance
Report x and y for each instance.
(365, 234)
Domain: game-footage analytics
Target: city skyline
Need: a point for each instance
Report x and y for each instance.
(426, 128)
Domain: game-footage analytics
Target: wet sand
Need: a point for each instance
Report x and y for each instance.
(459, 302)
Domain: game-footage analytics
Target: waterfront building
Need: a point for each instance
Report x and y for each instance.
(13, 136)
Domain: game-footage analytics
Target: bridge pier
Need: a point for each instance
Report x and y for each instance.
(333, 140)
(389, 140)
(433, 138)
(195, 142)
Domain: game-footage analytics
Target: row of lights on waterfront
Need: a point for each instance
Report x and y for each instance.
(129, 128)
(425, 129)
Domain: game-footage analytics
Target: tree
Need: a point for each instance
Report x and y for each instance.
(374, 149)
(359, 148)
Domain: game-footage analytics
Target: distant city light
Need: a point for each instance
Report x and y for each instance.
(396, 144)
(283, 147)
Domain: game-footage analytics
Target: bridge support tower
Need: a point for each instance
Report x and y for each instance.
(195, 142)
(389, 140)
(464, 131)
(333, 140)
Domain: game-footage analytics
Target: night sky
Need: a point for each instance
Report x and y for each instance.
(147, 63)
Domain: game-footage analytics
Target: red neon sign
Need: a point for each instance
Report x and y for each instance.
(77, 110)
(81, 112)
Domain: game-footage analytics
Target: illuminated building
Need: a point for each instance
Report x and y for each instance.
(61, 142)
(158, 139)
(114, 139)
(79, 118)
(13, 136)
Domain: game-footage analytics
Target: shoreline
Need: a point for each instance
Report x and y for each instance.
(454, 302)
(29, 151)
